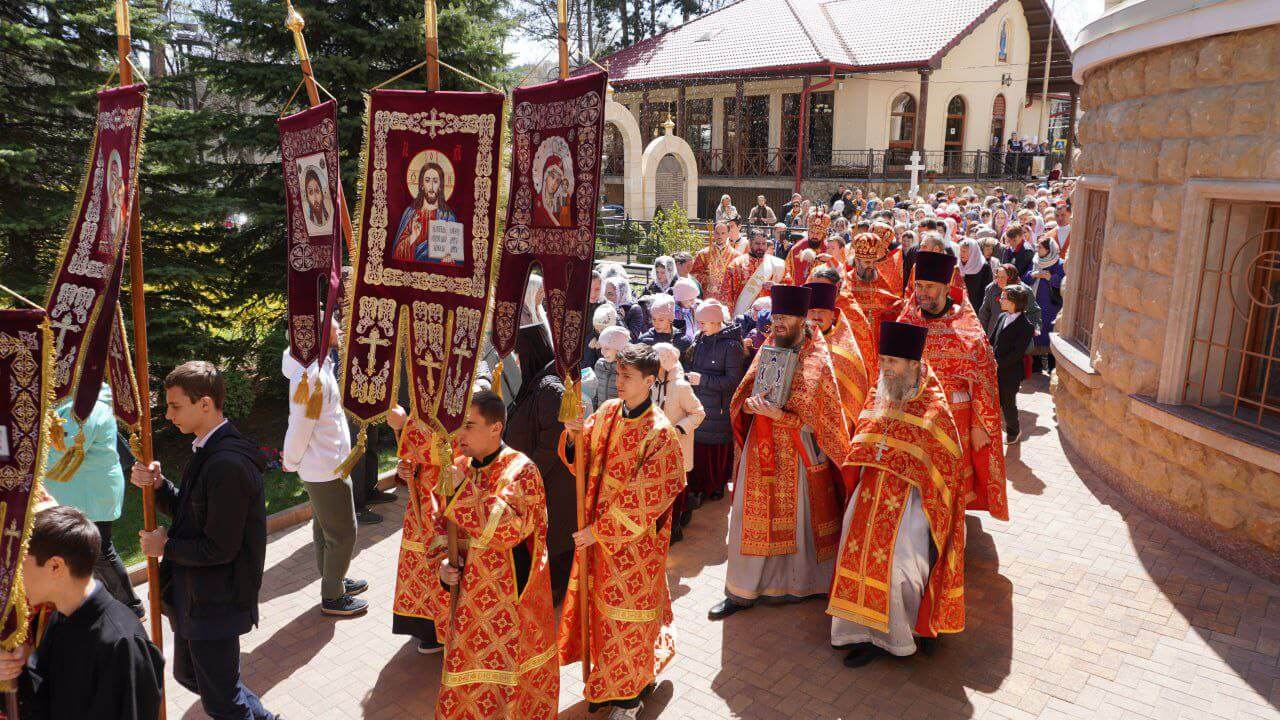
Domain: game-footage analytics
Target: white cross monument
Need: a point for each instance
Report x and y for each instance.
(915, 167)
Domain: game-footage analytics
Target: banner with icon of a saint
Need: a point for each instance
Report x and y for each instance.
(82, 307)
(309, 159)
(425, 253)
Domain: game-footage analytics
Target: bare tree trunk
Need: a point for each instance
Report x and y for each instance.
(626, 27)
(591, 27)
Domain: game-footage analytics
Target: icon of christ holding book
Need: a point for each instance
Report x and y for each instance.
(430, 179)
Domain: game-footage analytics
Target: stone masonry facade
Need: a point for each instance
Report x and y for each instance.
(1200, 109)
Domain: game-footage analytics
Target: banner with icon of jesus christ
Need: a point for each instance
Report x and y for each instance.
(551, 213)
(425, 253)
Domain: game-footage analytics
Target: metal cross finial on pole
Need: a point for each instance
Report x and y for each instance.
(138, 294)
(295, 23)
(433, 45)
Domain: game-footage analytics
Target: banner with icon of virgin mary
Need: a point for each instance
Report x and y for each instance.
(425, 253)
(89, 342)
(309, 156)
(551, 214)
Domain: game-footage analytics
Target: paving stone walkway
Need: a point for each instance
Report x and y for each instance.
(1080, 607)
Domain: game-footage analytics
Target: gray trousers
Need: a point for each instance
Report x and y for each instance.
(333, 525)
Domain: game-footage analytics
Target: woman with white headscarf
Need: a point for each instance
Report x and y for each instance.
(975, 269)
(662, 276)
(532, 311)
(1045, 279)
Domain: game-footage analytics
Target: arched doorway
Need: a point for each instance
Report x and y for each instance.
(902, 129)
(669, 183)
(614, 150)
(997, 133)
(953, 139)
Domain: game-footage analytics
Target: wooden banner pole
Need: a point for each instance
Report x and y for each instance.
(138, 293)
(295, 23)
(433, 45)
(579, 453)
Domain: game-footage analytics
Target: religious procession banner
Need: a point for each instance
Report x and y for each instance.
(309, 155)
(425, 254)
(26, 384)
(551, 213)
(83, 297)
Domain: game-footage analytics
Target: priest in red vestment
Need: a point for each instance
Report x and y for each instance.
(959, 352)
(752, 275)
(635, 470)
(711, 265)
(871, 288)
(846, 357)
(785, 520)
(500, 647)
(901, 568)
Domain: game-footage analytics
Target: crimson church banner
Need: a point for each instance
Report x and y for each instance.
(83, 298)
(425, 255)
(26, 380)
(551, 213)
(309, 155)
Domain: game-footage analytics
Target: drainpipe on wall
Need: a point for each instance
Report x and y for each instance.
(804, 123)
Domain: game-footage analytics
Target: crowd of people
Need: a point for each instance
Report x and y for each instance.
(838, 376)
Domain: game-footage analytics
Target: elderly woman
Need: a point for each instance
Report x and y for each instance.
(1045, 279)
(975, 269)
(675, 397)
(662, 315)
(605, 316)
(725, 209)
(715, 365)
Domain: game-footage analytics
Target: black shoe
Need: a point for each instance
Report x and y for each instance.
(724, 609)
(862, 654)
(927, 645)
(686, 517)
(354, 587)
(344, 606)
(1012, 437)
(677, 534)
(695, 501)
(368, 517)
(378, 497)
(429, 647)
(717, 495)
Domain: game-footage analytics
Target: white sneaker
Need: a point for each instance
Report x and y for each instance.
(626, 713)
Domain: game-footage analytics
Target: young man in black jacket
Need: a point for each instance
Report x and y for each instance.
(1010, 339)
(94, 660)
(214, 550)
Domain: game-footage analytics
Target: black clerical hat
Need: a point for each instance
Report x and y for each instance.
(902, 340)
(822, 296)
(935, 267)
(790, 300)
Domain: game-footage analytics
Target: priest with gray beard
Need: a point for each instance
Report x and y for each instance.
(900, 572)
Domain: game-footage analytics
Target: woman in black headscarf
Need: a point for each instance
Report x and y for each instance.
(534, 428)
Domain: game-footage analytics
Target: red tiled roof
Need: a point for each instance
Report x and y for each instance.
(780, 36)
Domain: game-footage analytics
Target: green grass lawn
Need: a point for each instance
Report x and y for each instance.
(284, 490)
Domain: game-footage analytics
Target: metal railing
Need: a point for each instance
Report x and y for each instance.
(627, 240)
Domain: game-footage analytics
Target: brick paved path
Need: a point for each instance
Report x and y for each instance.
(1080, 607)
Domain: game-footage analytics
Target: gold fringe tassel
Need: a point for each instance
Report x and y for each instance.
(497, 379)
(57, 432)
(303, 393)
(356, 452)
(135, 445)
(316, 402)
(69, 463)
(571, 402)
(442, 457)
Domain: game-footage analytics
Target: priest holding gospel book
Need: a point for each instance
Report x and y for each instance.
(94, 660)
(789, 428)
